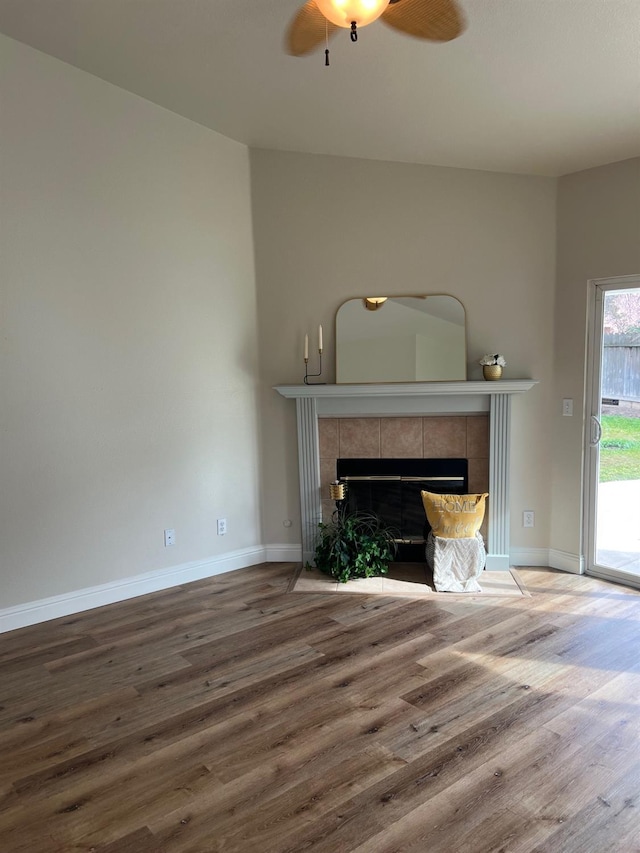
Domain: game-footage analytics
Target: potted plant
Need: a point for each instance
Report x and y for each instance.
(354, 545)
(492, 366)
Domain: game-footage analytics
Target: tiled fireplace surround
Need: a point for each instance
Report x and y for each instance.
(407, 420)
(434, 437)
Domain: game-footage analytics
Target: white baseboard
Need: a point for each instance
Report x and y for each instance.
(283, 553)
(551, 557)
(573, 563)
(33, 612)
(529, 556)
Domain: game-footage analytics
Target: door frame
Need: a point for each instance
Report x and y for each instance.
(597, 288)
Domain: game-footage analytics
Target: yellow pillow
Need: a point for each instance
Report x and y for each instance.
(454, 516)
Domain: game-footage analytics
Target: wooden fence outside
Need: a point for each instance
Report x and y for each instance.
(621, 367)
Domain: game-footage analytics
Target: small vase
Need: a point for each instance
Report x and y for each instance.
(491, 371)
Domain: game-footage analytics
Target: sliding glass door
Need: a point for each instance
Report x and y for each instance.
(612, 459)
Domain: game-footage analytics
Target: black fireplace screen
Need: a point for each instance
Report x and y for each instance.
(391, 489)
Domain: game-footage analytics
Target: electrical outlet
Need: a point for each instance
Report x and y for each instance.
(528, 518)
(169, 538)
(222, 526)
(567, 407)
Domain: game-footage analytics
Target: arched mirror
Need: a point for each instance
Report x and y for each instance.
(401, 339)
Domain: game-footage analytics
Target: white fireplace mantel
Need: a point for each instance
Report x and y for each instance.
(410, 398)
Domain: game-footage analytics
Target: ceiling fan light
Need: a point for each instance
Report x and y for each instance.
(343, 12)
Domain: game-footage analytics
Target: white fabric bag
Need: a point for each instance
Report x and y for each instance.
(456, 563)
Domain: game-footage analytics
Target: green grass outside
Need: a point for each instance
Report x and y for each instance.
(619, 448)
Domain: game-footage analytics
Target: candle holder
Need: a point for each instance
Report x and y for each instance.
(307, 375)
(337, 491)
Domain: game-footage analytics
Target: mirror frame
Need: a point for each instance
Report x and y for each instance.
(365, 308)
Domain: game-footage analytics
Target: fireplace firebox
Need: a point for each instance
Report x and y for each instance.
(391, 488)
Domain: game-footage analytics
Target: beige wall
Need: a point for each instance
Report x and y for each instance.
(128, 344)
(598, 237)
(330, 228)
(130, 379)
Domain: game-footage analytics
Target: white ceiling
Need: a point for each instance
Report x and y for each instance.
(533, 86)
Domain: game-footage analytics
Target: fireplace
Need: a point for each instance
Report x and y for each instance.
(391, 489)
(413, 399)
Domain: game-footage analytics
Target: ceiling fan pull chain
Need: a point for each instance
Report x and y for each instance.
(326, 56)
(354, 31)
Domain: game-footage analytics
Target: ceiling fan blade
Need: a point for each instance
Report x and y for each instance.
(435, 20)
(308, 30)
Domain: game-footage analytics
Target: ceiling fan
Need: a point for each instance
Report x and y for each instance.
(318, 20)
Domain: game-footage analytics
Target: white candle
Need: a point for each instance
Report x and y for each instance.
(320, 338)
(306, 347)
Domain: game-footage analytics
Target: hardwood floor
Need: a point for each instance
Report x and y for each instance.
(230, 715)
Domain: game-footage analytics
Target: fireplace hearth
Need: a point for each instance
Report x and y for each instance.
(391, 489)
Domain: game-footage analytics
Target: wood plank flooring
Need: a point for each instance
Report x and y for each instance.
(230, 715)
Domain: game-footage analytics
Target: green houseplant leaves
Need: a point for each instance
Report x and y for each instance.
(354, 545)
